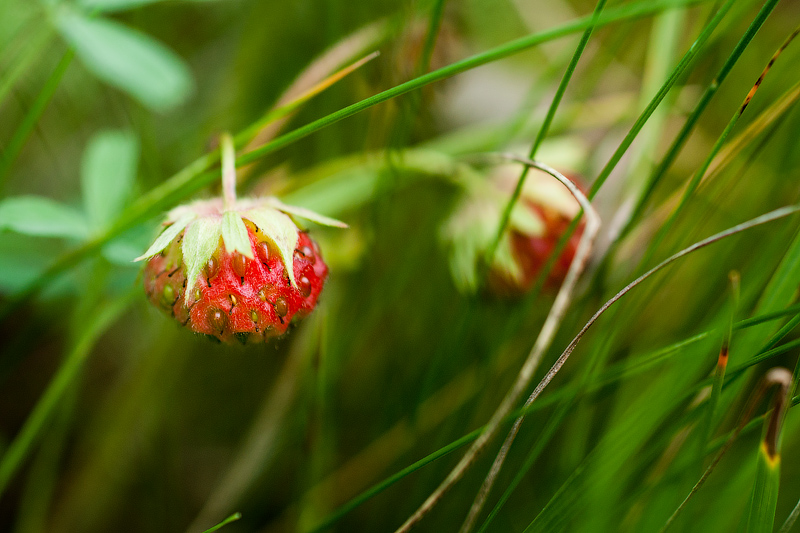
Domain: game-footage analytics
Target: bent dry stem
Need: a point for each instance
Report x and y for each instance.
(542, 342)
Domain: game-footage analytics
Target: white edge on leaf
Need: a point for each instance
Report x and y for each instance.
(199, 244)
(166, 237)
(234, 235)
(308, 214)
(281, 230)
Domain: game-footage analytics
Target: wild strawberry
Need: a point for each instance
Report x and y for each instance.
(236, 269)
(538, 221)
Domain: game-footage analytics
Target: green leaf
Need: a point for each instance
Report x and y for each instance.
(764, 498)
(127, 59)
(302, 212)
(281, 230)
(107, 173)
(234, 235)
(166, 236)
(199, 243)
(42, 217)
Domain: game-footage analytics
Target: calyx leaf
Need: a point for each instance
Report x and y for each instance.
(167, 236)
(308, 214)
(280, 228)
(234, 235)
(199, 243)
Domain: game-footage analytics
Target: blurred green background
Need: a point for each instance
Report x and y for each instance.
(114, 418)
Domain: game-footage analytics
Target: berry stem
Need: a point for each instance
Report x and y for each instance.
(228, 170)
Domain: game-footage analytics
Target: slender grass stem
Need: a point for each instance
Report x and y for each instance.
(20, 447)
(541, 134)
(683, 135)
(31, 55)
(232, 518)
(543, 341)
(627, 369)
(17, 142)
(698, 176)
(486, 487)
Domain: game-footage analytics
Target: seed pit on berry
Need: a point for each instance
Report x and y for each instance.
(217, 319)
(233, 300)
(167, 296)
(305, 286)
(254, 315)
(211, 269)
(262, 251)
(239, 265)
(305, 252)
(281, 307)
(262, 295)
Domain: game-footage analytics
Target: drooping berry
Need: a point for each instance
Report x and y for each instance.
(539, 219)
(237, 270)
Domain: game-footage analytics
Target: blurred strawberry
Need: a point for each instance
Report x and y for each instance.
(538, 221)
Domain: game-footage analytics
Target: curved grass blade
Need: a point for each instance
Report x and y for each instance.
(486, 487)
(542, 133)
(782, 378)
(612, 375)
(536, 354)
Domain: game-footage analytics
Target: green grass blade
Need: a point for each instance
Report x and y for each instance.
(232, 518)
(17, 142)
(764, 500)
(542, 133)
(31, 55)
(683, 136)
(765, 492)
(20, 447)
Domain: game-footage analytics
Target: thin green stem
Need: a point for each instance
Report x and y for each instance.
(434, 26)
(17, 142)
(701, 172)
(20, 447)
(31, 55)
(232, 518)
(683, 136)
(542, 133)
(228, 170)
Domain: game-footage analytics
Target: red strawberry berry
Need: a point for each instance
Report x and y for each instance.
(236, 269)
(538, 221)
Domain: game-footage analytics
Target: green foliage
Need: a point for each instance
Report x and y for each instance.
(113, 418)
(41, 217)
(127, 59)
(107, 175)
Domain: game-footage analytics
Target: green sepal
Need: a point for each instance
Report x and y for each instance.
(280, 228)
(308, 214)
(234, 235)
(199, 244)
(167, 236)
